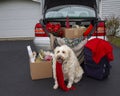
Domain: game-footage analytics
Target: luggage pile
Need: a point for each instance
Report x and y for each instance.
(98, 54)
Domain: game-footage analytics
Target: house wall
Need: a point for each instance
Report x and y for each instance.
(18, 18)
(110, 8)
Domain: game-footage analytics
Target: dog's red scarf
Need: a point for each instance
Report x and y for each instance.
(60, 78)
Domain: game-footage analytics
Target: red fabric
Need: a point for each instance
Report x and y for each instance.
(67, 22)
(100, 48)
(53, 27)
(88, 30)
(60, 78)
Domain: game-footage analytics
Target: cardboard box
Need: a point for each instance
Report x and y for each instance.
(41, 70)
(73, 32)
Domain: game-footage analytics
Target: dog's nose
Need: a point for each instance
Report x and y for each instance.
(59, 57)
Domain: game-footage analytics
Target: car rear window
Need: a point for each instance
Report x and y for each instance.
(70, 11)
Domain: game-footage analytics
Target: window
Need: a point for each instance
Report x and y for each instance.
(73, 11)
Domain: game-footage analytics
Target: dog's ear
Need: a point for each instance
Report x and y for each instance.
(68, 49)
(70, 52)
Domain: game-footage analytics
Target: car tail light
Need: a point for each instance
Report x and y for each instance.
(101, 30)
(39, 32)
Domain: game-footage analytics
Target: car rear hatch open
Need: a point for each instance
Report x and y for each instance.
(53, 3)
(82, 21)
(48, 4)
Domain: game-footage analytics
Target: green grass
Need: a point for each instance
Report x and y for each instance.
(115, 41)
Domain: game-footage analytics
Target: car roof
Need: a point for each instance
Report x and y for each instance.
(53, 3)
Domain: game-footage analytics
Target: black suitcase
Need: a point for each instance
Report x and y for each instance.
(97, 71)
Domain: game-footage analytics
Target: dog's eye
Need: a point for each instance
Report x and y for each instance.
(63, 52)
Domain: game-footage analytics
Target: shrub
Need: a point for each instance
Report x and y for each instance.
(112, 25)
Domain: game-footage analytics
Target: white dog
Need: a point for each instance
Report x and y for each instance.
(71, 68)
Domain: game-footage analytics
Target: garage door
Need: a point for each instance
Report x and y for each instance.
(17, 18)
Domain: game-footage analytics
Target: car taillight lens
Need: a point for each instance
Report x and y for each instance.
(101, 30)
(39, 32)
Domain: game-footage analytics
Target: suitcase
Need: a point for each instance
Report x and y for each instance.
(98, 71)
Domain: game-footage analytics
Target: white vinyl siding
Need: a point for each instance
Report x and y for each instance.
(110, 8)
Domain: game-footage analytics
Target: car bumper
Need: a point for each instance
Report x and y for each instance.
(42, 43)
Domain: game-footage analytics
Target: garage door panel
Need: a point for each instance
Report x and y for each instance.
(18, 18)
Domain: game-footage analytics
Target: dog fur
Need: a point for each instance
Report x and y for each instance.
(72, 70)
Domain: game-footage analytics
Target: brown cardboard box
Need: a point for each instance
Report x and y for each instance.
(73, 32)
(41, 70)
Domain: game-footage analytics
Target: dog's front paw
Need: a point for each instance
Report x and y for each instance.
(69, 86)
(55, 86)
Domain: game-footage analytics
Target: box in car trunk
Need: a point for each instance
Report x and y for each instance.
(73, 32)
